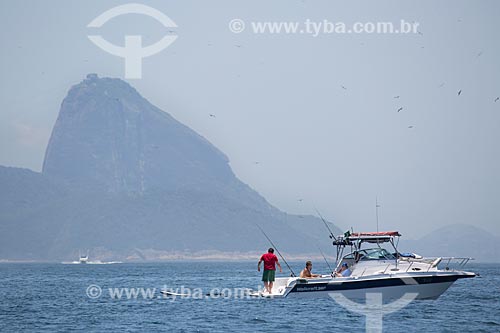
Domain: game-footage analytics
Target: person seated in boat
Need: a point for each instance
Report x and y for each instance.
(344, 271)
(306, 272)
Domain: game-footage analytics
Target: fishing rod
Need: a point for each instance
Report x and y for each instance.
(270, 241)
(332, 236)
(331, 270)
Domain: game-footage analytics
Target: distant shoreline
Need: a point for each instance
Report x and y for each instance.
(196, 259)
(179, 258)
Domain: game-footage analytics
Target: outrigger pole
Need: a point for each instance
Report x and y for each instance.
(270, 241)
(332, 236)
(337, 242)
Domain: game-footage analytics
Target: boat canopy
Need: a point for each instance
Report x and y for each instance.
(371, 234)
(370, 237)
(356, 239)
(373, 237)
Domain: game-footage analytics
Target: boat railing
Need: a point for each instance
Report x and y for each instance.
(449, 262)
(461, 261)
(409, 266)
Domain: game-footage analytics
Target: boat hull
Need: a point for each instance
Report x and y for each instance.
(429, 291)
(418, 286)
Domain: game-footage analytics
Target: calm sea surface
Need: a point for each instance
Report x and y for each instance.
(53, 298)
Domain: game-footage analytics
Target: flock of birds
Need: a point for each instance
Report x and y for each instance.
(400, 108)
(441, 85)
(211, 115)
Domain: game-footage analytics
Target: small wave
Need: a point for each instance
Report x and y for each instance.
(256, 321)
(482, 297)
(285, 326)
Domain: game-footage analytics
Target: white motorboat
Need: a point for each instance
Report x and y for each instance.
(376, 270)
(84, 259)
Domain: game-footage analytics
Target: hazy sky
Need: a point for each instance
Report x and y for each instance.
(279, 100)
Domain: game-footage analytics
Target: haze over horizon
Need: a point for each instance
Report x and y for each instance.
(306, 121)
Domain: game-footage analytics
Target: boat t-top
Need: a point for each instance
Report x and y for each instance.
(375, 269)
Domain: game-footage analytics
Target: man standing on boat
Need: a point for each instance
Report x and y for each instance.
(270, 261)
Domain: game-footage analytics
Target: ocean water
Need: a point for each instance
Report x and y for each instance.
(53, 298)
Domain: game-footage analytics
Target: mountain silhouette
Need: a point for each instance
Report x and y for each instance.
(456, 240)
(121, 176)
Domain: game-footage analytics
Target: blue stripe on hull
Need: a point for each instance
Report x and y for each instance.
(377, 283)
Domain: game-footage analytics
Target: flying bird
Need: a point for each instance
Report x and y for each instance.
(459, 92)
(441, 85)
(212, 115)
(496, 99)
(256, 162)
(237, 45)
(400, 109)
(396, 96)
(411, 126)
(479, 54)
(343, 87)
(300, 200)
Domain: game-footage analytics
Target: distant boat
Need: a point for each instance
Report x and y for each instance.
(84, 259)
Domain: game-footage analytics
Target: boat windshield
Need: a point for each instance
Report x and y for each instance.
(371, 254)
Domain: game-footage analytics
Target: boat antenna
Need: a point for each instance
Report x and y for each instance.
(332, 236)
(270, 241)
(330, 267)
(376, 210)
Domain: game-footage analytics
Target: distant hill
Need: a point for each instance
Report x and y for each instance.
(122, 178)
(458, 240)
